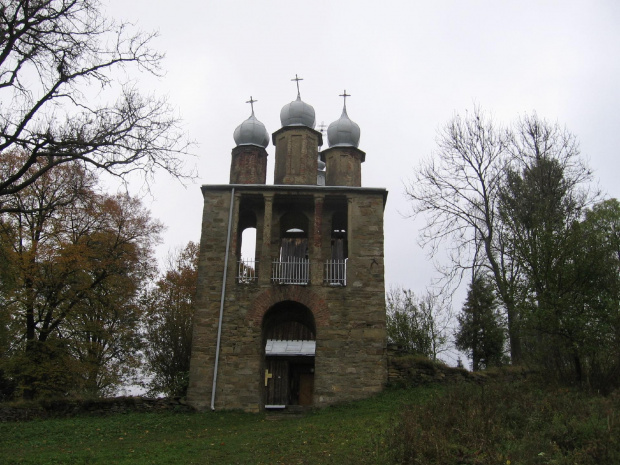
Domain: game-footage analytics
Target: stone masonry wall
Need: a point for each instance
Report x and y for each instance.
(296, 155)
(350, 360)
(210, 272)
(344, 166)
(249, 165)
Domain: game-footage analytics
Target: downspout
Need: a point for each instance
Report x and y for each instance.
(219, 327)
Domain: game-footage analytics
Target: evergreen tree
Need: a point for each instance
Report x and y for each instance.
(567, 260)
(480, 332)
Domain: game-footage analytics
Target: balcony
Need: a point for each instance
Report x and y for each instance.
(335, 272)
(291, 271)
(246, 271)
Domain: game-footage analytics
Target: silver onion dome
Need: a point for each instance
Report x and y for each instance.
(251, 132)
(343, 132)
(297, 113)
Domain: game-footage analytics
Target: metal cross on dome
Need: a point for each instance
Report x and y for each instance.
(251, 102)
(297, 79)
(345, 95)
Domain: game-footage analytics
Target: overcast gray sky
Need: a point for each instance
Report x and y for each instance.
(409, 66)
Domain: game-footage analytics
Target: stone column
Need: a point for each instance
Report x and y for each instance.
(233, 257)
(264, 276)
(352, 244)
(316, 259)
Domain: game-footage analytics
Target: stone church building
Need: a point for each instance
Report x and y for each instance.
(302, 322)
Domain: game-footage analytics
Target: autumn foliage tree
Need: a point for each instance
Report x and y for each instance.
(169, 323)
(79, 258)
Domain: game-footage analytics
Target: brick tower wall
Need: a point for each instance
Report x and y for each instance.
(296, 155)
(248, 165)
(350, 360)
(343, 166)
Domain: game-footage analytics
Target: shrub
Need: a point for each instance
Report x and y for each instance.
(503, 423)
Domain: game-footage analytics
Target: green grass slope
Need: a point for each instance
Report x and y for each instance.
(343, 434)
(507, 423)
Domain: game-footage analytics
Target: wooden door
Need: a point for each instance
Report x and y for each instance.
(276, 382)
(306, 388)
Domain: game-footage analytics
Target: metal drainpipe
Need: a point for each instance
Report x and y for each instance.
(219, 327)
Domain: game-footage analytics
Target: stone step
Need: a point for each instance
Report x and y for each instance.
(289, 412)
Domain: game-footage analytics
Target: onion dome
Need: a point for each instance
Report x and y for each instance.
(343, 132)
(297, 113)
(251, 132)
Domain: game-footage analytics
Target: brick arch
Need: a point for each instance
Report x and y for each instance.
(299, 294)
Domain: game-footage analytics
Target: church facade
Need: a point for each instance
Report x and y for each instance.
(302, 321)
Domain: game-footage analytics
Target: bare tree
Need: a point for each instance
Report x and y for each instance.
(457, 192)
(418, 324)
(59, 62)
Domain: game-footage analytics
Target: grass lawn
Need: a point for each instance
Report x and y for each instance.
(505, 422)
(351, 433)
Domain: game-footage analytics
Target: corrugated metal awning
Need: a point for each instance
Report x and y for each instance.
(277, 347)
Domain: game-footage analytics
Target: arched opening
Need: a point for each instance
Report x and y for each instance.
(293, 266)
(289, 347)
(248, 244)
(246, 248)
(336, 268)
(340, 250)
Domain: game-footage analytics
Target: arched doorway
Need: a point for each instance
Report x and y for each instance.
(289, 346)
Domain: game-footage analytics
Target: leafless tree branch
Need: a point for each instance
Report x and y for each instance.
(54, 55)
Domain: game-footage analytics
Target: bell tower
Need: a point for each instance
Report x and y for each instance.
(299, 321)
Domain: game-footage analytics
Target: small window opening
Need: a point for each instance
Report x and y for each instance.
(336, 267)
(246, 272)
(248, 244)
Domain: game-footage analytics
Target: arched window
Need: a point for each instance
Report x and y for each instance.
(293, 266)
(336, 267)
(246, 248)
(340, 250)
(248, 244)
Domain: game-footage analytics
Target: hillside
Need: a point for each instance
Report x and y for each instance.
(517, 422)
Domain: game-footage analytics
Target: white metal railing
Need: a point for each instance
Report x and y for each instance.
(246, 271)
(291, 271)
(336, 272)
